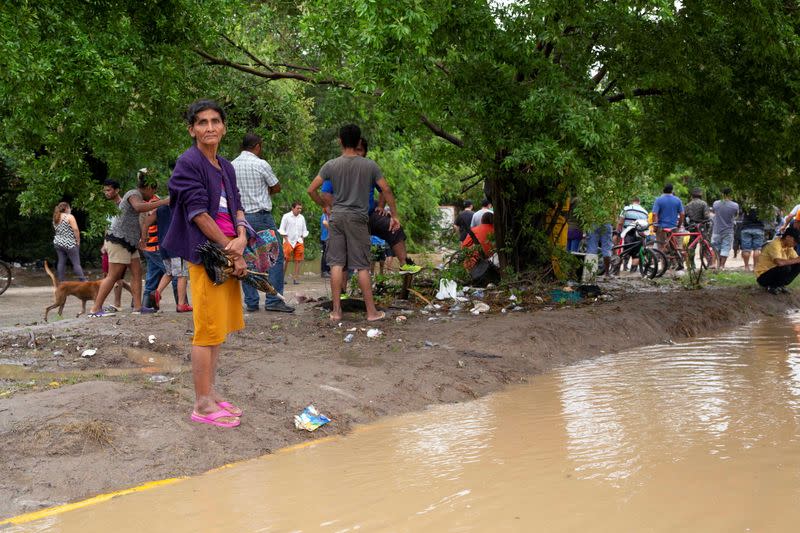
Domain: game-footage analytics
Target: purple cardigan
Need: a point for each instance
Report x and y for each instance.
(195, 187)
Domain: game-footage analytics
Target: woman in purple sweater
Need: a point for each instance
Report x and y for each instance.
(206, 206)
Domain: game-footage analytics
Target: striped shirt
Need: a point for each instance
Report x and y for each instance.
(254, 177)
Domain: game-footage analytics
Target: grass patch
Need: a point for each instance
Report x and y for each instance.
(731, 279)
(737, 278)
(95, 431)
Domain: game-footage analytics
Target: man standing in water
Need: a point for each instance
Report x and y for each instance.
(353, 178)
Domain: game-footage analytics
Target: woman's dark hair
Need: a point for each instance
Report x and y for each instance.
(198, 106)
(487, 218)
(350, 134)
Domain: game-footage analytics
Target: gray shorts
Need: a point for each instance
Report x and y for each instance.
(722, 243)
(176, 267)
(349, 241)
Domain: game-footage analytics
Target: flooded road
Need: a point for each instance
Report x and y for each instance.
(698, 436)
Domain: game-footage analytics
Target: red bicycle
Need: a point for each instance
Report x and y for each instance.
(678, 255)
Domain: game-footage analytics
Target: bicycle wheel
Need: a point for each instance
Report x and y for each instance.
(707, 256)
(5, 276)
(661, 260)
(648, 264)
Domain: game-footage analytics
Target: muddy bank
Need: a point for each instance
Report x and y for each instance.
(98, 424)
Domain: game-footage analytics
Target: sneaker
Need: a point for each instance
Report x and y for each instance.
(144, 311)
(411, 269)
(279, 307)
(111, 309)
(773, 290)
(252, 309)
(181, 308)
(101, 314)
(783, 290)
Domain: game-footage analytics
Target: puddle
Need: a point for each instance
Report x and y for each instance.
(148, 363)
(701, 436)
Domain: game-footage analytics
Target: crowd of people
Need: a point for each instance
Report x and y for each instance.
(762, 238)
(227, 203)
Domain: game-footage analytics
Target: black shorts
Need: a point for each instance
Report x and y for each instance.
(632, 243)
(379, 226)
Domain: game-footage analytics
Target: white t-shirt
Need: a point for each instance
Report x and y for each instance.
(293, 228)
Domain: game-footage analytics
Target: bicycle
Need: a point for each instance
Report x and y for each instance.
(650, 259)
(5, 276)
(678, 255)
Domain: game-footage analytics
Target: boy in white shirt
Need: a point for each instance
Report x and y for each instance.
(293, 228)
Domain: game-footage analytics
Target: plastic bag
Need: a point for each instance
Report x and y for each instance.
(310, 419)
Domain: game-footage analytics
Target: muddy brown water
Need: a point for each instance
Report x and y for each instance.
(702, 435)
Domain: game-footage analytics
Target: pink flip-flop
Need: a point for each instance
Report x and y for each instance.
(212, 419)
(225, 405)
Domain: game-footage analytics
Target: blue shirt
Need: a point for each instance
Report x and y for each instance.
(327, 187)
(323, 235)
(667, 207)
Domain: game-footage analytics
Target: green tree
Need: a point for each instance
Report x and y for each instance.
(547, 99)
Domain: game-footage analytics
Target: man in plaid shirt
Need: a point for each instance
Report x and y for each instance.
(257, 183)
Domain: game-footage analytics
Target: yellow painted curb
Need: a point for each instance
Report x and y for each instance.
(51, 511)
(59, 509)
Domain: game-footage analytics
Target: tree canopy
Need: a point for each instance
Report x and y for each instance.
(544, 100)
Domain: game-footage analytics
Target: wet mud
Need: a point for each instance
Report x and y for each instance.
(95, 431)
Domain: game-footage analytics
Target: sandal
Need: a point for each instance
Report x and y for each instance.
(213, 419)
(228, 406)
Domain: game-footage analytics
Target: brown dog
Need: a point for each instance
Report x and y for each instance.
(83, 290)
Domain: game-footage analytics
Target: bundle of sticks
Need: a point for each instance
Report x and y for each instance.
(219, 267)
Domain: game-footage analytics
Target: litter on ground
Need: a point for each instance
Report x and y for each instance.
(310, 419)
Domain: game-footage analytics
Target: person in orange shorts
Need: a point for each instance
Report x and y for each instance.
(294, 230)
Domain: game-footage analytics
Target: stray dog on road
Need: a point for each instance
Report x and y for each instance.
(83, 290)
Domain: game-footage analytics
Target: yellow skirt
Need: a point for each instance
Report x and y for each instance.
(217, 308)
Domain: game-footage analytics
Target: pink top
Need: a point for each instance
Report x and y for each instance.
(224, 220)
